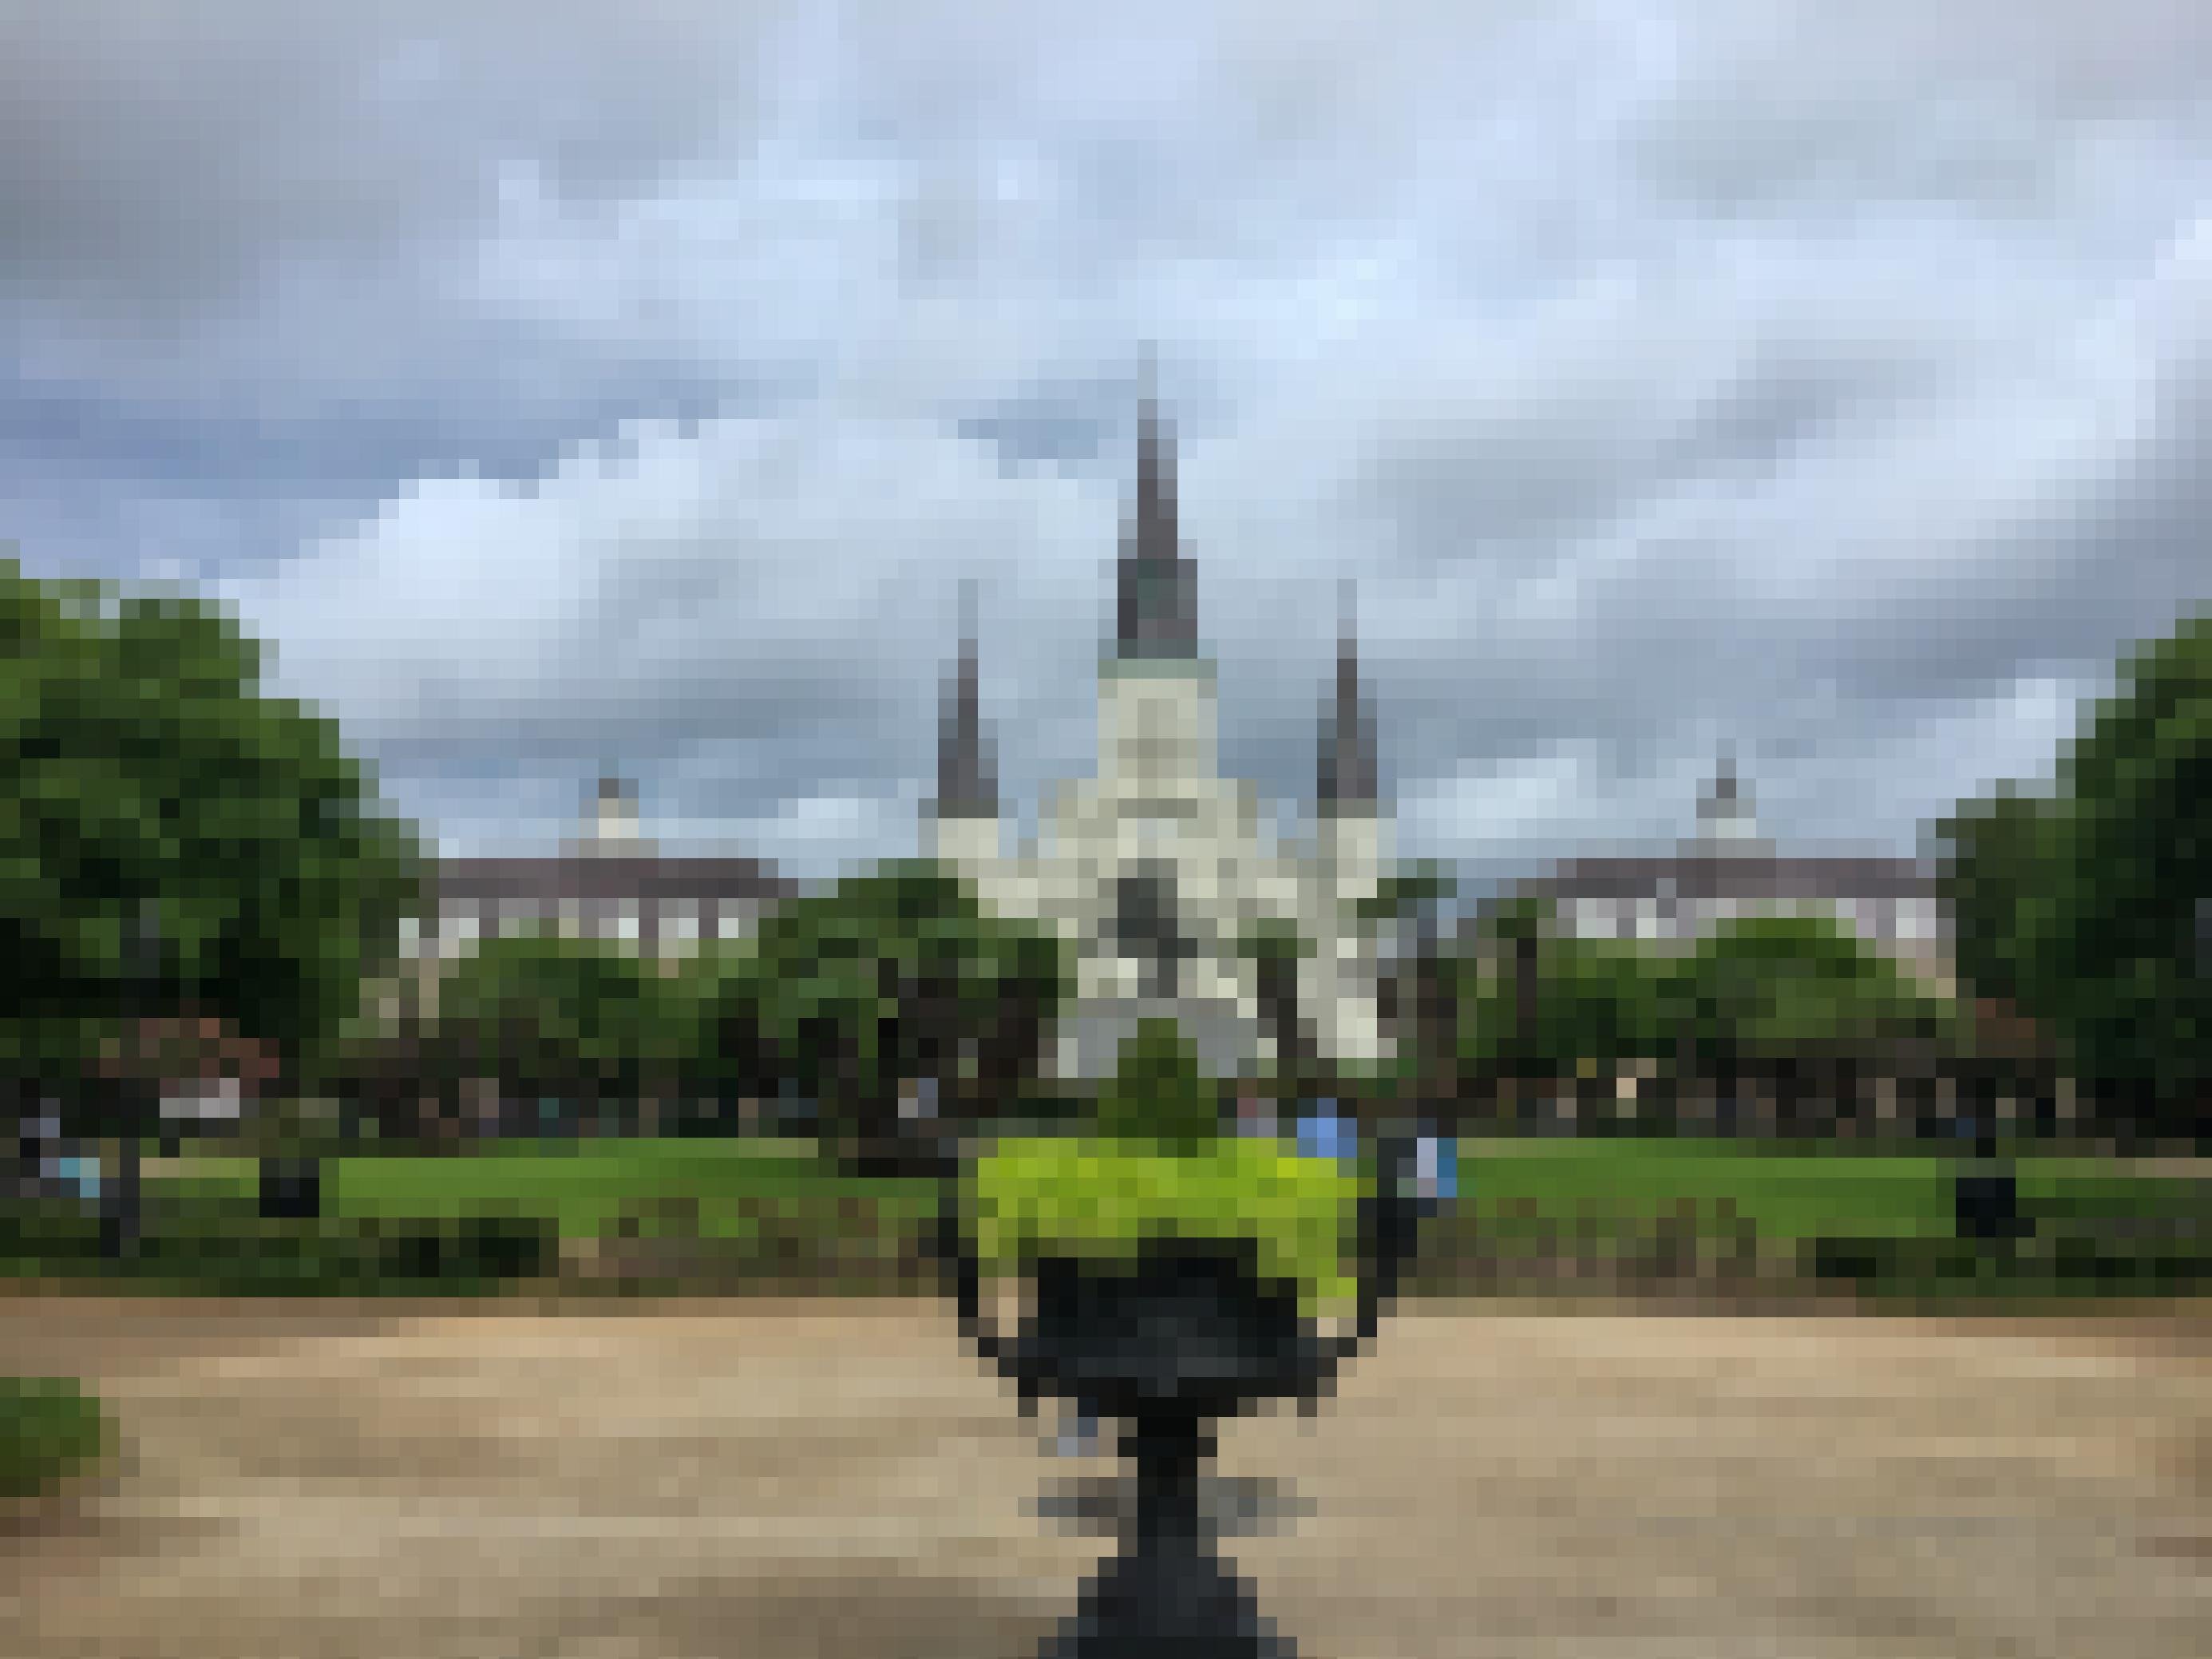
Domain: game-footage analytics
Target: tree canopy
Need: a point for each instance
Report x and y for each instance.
(174, 838)
(2083, 902)
(1756, 990)
(899, 973)
(1765, 990)
(1159, 1091)
(568, 1017)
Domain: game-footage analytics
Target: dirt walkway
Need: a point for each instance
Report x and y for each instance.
(785, 1482)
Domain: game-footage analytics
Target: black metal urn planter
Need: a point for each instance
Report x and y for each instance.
(1167, 1342)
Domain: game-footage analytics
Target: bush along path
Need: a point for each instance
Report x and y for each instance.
(1545, 1221)
(50, 1429)
(234, 1254)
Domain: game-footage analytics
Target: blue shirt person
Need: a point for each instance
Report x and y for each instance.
(83, 1173)
(1435, 1171)
(1324, 1132)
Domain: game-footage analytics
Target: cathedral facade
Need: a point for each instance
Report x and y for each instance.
(1156, 869)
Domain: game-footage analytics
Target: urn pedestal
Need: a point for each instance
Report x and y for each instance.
(1168, 1344)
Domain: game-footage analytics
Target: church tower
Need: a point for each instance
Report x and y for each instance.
(1156, 705)
(1344, 787)
(1155, 609)
(1348, 851)
(964, 817)
(1154, 870)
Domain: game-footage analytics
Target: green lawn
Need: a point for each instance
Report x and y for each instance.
(1790, 1194)
(1786, 1195)
(584, 1187)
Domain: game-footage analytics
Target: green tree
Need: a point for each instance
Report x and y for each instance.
(2083, 904)
(172, 837)
(1496, 1029)
(1421, 984)
(2002, 853)
(1274, 948)
(1802, 1000)
(581, 1020)
(1159, 1091)
(896, 974)
(1799, 1001)
(726, 1049)
(1555, 1004)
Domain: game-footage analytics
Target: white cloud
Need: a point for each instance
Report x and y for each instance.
(1833, 384)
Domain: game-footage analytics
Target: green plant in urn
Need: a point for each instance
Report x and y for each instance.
(1158, 1167)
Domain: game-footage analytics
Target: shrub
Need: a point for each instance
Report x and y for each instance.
(48, 1428)
(2069, 1263)
(48, 1231)
(1106, 1198)
(228, 1254)
(1159, 1093)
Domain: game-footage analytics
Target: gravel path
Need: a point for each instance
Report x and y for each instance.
(786, 1480)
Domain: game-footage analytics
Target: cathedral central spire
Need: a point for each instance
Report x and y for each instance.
(965, 787)
(1346, 782)
(1156, 612)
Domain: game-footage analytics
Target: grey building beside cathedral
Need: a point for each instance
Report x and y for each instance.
(1730, 869)
(608, 882)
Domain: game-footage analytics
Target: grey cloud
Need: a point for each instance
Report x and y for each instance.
(1739, 370)
(165, 157)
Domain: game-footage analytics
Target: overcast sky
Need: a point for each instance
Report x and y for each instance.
(562, 387)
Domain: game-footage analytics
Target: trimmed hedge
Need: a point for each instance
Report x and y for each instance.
(238, 1254)
(49, 1428)
(2067, 1263)
(1498, 1248)
(810, 1244)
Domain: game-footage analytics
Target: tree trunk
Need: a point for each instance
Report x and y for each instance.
(1525, 998)
(291, 1189)
(123, 1203)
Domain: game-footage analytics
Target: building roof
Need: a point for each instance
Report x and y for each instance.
(1728, 859)
(1700, 875)
(599, 878)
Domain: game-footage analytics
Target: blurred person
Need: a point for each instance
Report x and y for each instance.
(1324, 1132)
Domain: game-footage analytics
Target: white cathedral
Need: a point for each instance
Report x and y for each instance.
(1155, 870)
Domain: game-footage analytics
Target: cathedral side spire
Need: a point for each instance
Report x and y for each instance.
(1347, 773)
(1725, 820)
(966, 787)
(1155, 609)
